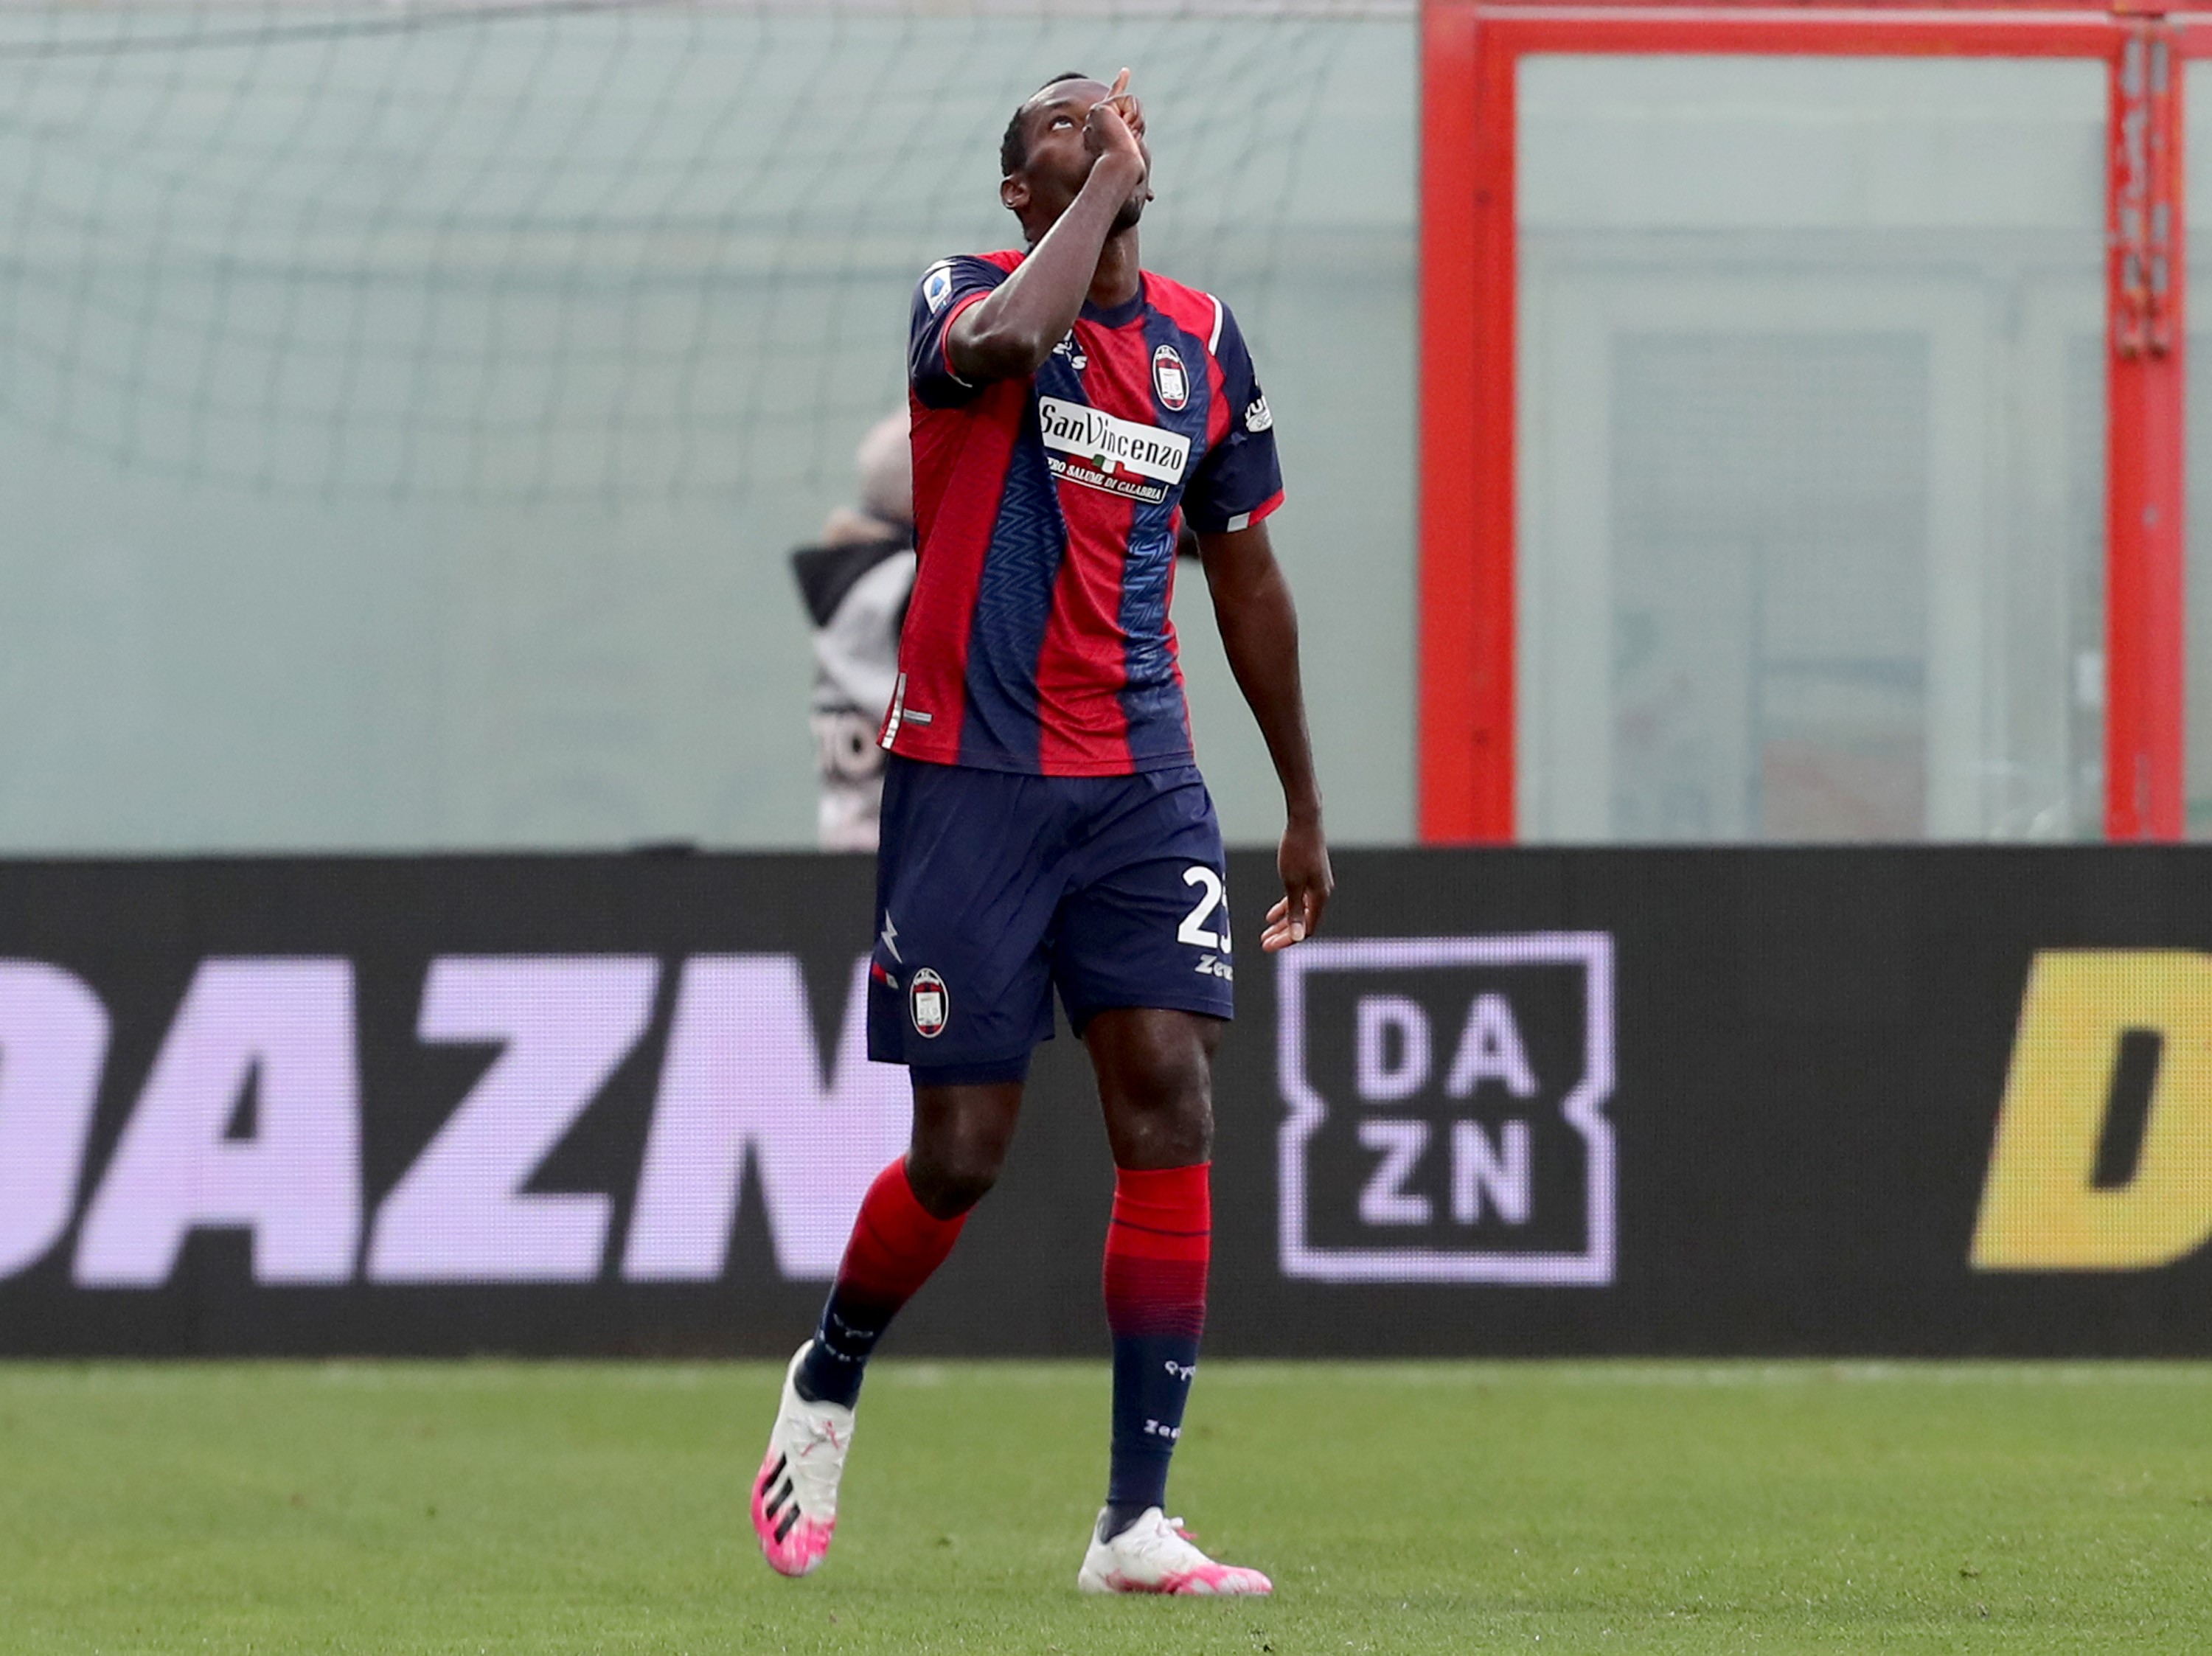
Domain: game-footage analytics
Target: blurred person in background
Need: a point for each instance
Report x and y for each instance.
(856, 583)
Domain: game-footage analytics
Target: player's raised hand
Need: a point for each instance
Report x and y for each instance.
(1126, 104)
(1106, 132)
(1302, 862)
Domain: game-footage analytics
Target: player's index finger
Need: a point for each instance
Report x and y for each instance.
(1121, 85)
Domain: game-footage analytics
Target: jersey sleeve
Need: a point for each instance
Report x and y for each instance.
(1239, 481)
(947, 288)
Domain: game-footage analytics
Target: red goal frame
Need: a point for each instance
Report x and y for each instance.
(1470, 54)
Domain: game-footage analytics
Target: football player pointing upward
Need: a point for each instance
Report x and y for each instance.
(1043, 825)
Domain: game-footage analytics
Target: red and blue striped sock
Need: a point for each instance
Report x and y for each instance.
(1157, 1249)
(895, 1246)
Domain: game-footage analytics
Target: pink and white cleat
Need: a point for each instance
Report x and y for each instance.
(795, 1492)
(1155, 1555)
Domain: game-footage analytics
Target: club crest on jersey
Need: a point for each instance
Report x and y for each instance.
(927, 1004)
(1168, 378)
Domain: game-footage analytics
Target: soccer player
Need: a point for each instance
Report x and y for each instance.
(1043, 824)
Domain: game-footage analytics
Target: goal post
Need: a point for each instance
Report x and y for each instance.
(1478, 773)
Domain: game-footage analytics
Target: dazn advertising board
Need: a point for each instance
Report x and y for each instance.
(1940, 1100)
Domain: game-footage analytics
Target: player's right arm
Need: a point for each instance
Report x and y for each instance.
(1010, 334)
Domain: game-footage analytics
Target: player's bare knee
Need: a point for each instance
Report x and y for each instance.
(1178, 1135)
(948, 1180)
(1156, 1083)
(959, 1144)
(953, 1165)
(1161, 1114)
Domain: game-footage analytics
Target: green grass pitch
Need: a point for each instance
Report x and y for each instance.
(1553, 1507)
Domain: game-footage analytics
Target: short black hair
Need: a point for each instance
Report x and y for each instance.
(1014, 147)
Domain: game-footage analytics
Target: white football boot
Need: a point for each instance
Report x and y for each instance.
(795, 1492)
(1155, 1555)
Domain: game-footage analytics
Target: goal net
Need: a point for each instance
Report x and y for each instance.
(555, 248)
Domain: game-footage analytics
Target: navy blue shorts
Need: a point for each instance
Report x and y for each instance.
(994, 888)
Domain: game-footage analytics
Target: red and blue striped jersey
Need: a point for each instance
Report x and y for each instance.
(1046, 514)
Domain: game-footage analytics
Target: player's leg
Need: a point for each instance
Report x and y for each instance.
(959, 990)
(1142, 960)
(1155, 1083)
(1155, 1080)
(908, 1222)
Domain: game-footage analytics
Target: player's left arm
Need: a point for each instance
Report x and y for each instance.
(1260, 635)
(1237, 484)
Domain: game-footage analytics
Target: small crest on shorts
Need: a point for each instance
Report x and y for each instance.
(1169, 379)
(927, 1004)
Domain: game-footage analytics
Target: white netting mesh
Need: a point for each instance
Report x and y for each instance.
(535, 251)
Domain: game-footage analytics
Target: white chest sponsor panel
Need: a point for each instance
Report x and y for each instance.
(1103, 451)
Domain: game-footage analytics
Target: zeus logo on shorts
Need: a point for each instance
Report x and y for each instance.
(1446, 1109)
(927, 1004)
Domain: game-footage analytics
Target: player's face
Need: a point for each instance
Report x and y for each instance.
(1059, 163)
